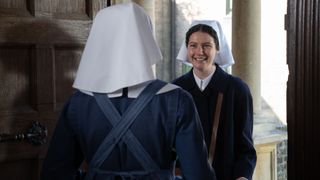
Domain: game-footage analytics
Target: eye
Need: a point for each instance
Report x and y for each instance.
(207, 46)
(192, 46)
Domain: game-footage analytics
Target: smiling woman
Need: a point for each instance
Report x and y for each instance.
(223, 101)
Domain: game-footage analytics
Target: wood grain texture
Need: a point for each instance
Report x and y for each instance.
(41, 42)
(303, 89)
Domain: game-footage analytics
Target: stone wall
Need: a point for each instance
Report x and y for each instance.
(282, 160)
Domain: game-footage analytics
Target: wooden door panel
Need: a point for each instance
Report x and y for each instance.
(41, 42)
(16, 77)
(25, 168)
(67, 59)
(70, 9)
(15, 8)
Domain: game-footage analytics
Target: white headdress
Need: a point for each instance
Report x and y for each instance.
(119, 52)
(223, 58)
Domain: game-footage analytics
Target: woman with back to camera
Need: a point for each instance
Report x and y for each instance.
(223, 101)
(121, 120)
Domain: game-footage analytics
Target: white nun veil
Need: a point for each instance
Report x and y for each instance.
(119, 52)
(223, 58)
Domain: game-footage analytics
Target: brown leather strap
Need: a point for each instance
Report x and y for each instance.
(215, 128)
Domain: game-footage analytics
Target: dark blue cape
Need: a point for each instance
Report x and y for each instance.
(169, 122)
(235, 155)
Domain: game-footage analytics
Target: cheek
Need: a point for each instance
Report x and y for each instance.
(212, 54)
(190, 53)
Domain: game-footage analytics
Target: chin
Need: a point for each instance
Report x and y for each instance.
(199, 66)
(200, 63)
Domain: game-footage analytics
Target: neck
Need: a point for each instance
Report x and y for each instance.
(203, 73)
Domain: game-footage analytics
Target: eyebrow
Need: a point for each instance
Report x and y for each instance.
(201, 43)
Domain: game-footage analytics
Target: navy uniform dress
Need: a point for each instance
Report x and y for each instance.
(235, 155)
(169, 122)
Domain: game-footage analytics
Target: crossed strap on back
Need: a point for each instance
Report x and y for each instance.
(121, 127)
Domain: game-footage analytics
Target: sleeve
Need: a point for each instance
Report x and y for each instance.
(245, 153)
(190, 145)
(64, 155)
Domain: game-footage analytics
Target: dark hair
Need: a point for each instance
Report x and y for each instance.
(203, 28)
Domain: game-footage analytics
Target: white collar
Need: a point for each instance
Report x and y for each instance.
(119, 52)
(202, 83)
(134, 91)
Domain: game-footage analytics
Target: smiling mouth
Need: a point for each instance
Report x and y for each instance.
(200, 59)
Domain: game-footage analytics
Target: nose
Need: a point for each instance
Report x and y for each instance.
(200, 50)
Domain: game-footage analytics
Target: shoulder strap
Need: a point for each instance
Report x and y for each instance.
(122, 124)
(215, 127)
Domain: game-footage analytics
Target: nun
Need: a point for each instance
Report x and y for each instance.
(121, 120)
(223, 101)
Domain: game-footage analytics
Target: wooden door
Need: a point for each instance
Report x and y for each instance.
(41, 42)
(303, 99)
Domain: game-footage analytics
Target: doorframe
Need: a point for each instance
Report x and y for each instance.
(302, 25)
